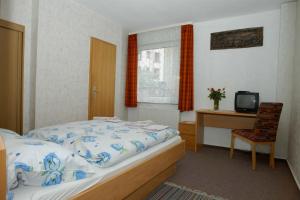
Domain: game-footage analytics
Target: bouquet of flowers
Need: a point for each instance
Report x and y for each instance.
(217, 95)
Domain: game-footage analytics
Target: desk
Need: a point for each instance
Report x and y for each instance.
(222, 119)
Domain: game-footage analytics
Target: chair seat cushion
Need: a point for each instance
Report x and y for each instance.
(255, 135)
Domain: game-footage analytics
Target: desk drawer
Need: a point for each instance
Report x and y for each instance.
(190, 142)
(187, 128)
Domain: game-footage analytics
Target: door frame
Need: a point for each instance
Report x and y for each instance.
(21, 30)
(90, 75)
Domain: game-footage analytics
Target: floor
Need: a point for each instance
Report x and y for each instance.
(210, 170)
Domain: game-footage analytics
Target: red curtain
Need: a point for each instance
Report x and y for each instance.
(131, 77)
(186, 84)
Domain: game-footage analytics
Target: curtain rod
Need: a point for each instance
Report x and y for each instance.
(159, 28)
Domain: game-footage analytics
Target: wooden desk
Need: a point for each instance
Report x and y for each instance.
(222, 119)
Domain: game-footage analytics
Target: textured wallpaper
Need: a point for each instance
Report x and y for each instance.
(294, 140)
(285, 69)
(63, 54)
(21, 12)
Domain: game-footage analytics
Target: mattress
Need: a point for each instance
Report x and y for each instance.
(67, 190)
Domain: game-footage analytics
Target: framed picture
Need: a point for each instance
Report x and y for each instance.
(240, 38)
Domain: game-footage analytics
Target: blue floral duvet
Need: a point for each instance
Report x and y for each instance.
(33, 162)
(103, 142)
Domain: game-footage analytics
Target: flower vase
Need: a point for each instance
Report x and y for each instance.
(216, 104)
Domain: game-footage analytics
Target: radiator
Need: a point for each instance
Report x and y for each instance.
(161, 114)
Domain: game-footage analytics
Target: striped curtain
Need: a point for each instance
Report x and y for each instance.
(131, 76)
(186, 84)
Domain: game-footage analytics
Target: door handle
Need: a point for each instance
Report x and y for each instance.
(94, 90)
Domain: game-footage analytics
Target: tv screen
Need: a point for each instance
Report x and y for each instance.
(246, 101)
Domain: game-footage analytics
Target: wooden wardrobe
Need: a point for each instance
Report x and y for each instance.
(11, 75)
(102, 78)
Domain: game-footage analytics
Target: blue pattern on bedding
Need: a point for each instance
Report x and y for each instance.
(51, 162)
(52, 165)
(103, 158)
(88, 138)
(10, 195)
(87, 155)
(79, 174)
(55, 139)
(70, 135)
(103, 143)
(138, 145)
(118, 147)
(53, 178)
(33, 162)
(23, 167)
(153, 135)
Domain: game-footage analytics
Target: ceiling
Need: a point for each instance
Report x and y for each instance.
(137, 15)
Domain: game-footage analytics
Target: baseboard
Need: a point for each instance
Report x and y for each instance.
(294, 174)
(242, 150)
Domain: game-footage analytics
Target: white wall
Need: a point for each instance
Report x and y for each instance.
(62, 76)
(23, 12)
(294, 140)
(286, 55)
(250, 69)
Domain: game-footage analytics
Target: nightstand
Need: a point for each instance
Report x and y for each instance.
(187, 131)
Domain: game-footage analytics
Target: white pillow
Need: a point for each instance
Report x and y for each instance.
(5, 133)
(41, 163)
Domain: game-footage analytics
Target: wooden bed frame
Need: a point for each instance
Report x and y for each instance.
(133, 183)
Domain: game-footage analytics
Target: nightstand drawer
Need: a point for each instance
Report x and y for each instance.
(187, 128)
(190, 142)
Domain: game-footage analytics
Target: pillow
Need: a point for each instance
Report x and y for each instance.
(5, 133)
(40, 163)
(59, 134)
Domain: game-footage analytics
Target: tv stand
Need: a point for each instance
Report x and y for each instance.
(222, 119)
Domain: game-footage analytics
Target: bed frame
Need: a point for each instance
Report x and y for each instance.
(3, 184)
(133, 183)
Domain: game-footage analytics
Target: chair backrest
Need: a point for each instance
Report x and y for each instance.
(268, 119)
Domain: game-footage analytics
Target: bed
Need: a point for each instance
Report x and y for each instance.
(132, 178)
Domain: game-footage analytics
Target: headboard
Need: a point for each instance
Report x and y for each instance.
(3, 183)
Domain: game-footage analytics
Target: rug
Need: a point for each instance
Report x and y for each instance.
(171, 191)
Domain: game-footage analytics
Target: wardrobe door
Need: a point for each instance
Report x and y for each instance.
(102, 78)
(11, 75)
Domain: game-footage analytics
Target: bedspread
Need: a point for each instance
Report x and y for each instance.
(105, 142)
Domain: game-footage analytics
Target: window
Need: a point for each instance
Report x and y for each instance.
(158, 66)
(158, 75)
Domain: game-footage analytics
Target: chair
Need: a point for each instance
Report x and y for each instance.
(264, 131)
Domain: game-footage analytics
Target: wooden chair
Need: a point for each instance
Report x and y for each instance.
(264, 131)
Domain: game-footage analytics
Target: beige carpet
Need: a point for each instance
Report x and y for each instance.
(212, 172)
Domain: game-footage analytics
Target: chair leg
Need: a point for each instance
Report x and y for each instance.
(253, 148)
(232, 145)
(272, 152)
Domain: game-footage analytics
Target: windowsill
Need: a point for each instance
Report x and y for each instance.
(158, 103)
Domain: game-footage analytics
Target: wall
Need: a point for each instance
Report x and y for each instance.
(286, 55)
(250, 69)
(62, 76)
(23, 12)
(294, 140)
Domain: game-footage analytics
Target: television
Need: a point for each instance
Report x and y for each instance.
(246, 102)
